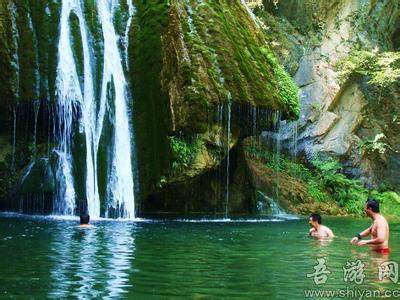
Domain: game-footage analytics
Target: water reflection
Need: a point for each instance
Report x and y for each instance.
(121, 246)
(85, 259)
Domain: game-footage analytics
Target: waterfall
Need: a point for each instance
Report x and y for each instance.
(131, 11)
(273, 207)
(70, 98)
(120, 185)
(75, 102)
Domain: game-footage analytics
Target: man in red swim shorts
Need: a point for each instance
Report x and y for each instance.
(379, 229)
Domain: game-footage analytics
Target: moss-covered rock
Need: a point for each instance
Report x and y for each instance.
(201, 75)
(191, 63)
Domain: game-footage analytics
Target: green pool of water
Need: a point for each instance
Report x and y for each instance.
(253, 259)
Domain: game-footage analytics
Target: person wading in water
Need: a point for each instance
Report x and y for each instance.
(379, 230)
(317, 229)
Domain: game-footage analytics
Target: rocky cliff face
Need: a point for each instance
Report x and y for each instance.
(201, 77)
(351, 117)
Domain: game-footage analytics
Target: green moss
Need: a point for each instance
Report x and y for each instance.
(8, 79)
(228, 56)
(389, 203)
(45, 17)
(383, 69)
(288, 91)
(323, 179)
(27, 57)
(121, 16)
(96, 42)
(150, 103)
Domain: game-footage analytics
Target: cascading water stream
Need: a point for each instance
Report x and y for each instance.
(131, 12)
(76, 100)
(120, 183)
(70, 98)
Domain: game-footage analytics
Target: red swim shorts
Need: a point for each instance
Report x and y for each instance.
(383, 250)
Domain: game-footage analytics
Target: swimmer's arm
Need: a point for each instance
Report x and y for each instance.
(380, 237)
(311, 231)
(356, 240)
(366, 232)
(330, 233)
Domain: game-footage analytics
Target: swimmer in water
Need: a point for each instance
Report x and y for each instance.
(379, 230)
(84, 219)
(317, 229)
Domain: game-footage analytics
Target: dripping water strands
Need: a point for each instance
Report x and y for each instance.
(14, 134)
(255, 141)
(294, 150)
(223, 122)
(277, 153)
(228, 135)
(254, 121)
(36, 107)
(295, 135)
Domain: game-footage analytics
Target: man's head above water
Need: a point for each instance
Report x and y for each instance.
(371, 206)
(84, 218)
(317, 229)
(315, 220)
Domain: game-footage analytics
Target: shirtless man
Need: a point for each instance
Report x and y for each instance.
(317, 230)
(379, 229)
